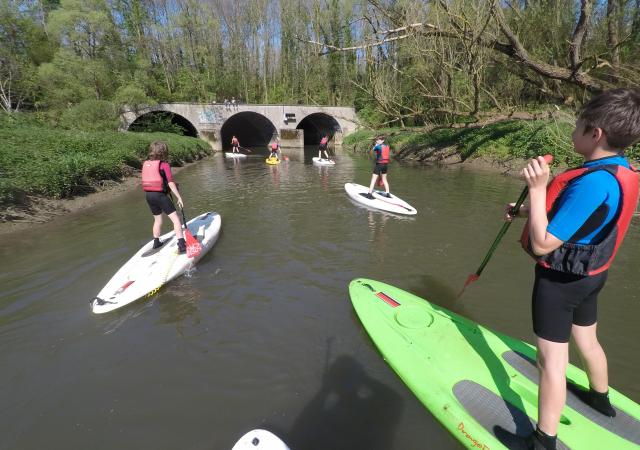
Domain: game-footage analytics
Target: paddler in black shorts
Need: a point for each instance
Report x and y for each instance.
(157, 182)
(576, 225)
(382, 152)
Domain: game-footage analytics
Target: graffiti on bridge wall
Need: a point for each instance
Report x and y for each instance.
(210, 116)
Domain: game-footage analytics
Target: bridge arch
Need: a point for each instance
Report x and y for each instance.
(146, 120)
(316, 125)
(251, 128)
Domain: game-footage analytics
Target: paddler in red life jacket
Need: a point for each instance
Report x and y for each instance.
(382, 153)
(275, 149)
(575, 227)
(235, 144)
(156, 182)
(323, 147)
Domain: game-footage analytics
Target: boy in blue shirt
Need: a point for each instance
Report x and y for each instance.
(575, 227)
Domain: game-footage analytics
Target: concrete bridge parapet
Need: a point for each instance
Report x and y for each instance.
(292, 124)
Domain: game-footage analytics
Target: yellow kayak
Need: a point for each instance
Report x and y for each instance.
(272, 161)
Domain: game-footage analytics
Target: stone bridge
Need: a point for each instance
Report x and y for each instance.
(253, 125)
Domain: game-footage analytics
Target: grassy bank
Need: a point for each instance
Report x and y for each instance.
(55, 163)
(501, 141)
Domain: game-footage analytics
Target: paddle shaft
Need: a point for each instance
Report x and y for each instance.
(184, 220)
(512, 212)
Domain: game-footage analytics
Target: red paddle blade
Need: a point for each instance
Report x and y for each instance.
(470, 279)
(193, 246)
(380, 183)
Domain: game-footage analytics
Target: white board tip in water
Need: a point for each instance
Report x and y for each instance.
(260, 440)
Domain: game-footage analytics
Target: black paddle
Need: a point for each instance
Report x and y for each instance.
(512, 212)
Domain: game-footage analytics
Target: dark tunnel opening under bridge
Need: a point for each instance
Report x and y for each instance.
(251, 129)
(317, 125)
(163, 121)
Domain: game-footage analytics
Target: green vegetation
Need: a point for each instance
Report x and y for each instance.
(400, 62)
(76, 64)
(39, 160)
(502, 141)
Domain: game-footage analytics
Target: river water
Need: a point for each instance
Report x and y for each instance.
(263, 334)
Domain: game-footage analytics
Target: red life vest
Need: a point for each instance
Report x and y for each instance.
(152, 180)
(384, 154)
(588, 259)
(324, 141)
(274, 146)
(234, 141)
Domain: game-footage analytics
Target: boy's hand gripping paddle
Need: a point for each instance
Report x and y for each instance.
(512, 212)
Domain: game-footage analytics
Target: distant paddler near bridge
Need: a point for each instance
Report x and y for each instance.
(235, 149)
(235, 145)
(274, 152)
(319, 160)
(323, 147)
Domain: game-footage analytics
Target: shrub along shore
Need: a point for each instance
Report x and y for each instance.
(505, 144)
(40, 161)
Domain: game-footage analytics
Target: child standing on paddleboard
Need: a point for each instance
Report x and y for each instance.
(157, 181)
(235, 144)
(382, 153)
(575, 227)
(323, 147)
(275, 150)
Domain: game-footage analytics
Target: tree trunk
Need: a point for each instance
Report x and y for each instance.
(613, 34)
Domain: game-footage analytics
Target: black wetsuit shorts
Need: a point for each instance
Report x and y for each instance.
(379, 169)
(560, 300)
(159, 203)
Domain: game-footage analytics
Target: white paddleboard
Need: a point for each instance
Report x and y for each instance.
(393, 204)
(148, 270)
(323, 161)
(234, 155)
(260, 440)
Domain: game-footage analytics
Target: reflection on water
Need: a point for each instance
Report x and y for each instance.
(243, 341)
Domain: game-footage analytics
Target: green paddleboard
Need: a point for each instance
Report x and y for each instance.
(481, 385)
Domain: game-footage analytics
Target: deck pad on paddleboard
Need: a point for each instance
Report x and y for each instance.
(152, 251)
(481, 385)
(622, 424)
(507, 423)
(393, 204)
(148, 270)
